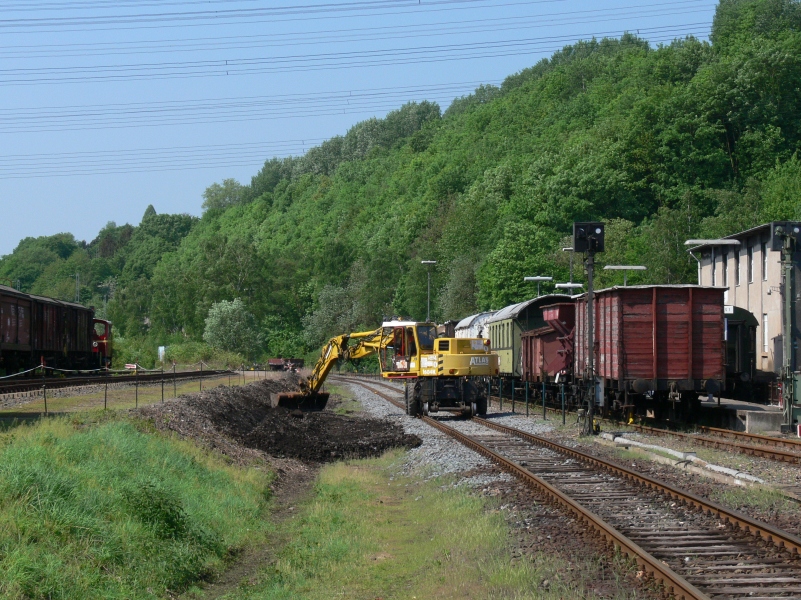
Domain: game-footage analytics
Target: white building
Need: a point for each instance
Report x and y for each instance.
(751, 272)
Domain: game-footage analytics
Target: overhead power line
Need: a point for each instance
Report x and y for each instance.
(397, 31)
(218, 16)
(222, 109)
(308, 62)
(273, 19)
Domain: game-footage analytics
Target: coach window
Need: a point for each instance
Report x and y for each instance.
(763, 248)
(750, 264)
(737, 266)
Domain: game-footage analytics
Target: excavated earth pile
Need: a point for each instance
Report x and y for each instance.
(239, 420)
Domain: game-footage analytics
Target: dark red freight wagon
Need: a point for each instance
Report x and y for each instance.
(547, 352)
(35, 329)
(655, 346)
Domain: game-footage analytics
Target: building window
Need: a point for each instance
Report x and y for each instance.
(714, 269)
(724, 258)
(764, 249)
(765, 337)
(750, 264)
(737, 266)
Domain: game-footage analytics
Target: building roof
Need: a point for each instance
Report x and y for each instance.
(513, 310)
(750, 232)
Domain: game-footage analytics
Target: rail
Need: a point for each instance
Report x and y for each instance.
(672, 581)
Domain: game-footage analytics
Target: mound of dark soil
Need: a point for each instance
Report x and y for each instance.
(324, 436)
(239, 420)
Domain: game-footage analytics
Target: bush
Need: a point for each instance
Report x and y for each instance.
(231, 327)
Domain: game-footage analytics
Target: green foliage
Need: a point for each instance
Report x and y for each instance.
(688, 139)
(231, 327)
(109, 512)
(219, 197)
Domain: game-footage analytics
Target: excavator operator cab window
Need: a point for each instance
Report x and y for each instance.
(426, 334)
(395, 357)
(411, 346)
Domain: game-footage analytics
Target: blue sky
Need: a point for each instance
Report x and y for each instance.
(107, 106)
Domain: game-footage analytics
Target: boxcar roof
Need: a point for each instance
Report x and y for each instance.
(9, 291)
(468, 321)
(513, 310)
(649, 287)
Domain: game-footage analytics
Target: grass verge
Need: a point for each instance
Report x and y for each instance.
(367, 534)
(109, 511)
(125, 397)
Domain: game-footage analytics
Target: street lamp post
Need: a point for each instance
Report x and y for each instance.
(428, 297)
(538, 279)
(625, 269)
(570, 249)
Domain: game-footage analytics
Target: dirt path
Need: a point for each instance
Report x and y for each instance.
(289, 492)
(239, 423)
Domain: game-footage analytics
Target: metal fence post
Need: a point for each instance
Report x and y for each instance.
(563, 404)
(162, 384)
(105, 395)
(543, 398)
(489, 391)
(174, 385)
(527, 398)
(136, 385)
(513, 395)
(201, 376)
(500, 393)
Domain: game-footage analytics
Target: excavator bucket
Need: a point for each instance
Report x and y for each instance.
(300, 400)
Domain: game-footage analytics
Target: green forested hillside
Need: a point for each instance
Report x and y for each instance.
(685, 140)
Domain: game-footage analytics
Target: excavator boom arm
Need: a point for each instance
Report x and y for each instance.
(369, 342)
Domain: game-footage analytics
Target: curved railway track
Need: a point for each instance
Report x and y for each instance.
(33, 384)
(696, 548)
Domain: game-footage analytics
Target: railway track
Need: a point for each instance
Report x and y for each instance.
(697, 549)
(13, 387)
(763, 446)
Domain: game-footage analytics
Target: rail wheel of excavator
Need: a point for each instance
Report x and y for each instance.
(425, 409)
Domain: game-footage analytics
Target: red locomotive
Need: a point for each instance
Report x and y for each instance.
(35, 330)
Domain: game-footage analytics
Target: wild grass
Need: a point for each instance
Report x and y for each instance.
(122, 398)
(108, 511)
(365, 534)
(761, 498)
(347, 401)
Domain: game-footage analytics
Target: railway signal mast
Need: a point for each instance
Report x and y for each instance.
(788, 235)
(589, 238)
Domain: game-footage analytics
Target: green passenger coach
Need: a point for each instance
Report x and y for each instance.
(507, 325)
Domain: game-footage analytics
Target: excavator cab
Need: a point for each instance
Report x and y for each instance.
(404, 342)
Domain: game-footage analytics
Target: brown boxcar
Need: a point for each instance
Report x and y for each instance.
(655, 338)
(547, 351)
(36, 330)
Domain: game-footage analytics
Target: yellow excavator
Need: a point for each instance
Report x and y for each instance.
(440, 374)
